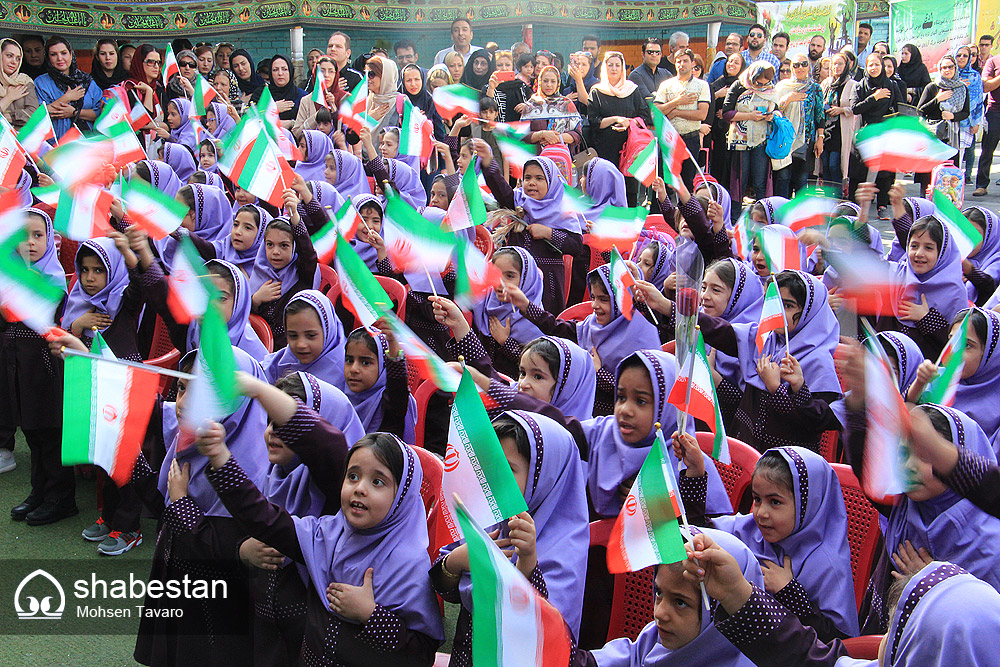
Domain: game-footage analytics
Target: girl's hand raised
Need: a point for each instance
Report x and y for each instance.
(926, 371)
(212, 445)
(653, 297)
(686, 449)
(513, 295)
(521, 536)
(712, 565)
(769, 372)
(791, 372)
(448, 313)
(355, 603)
(177, 480)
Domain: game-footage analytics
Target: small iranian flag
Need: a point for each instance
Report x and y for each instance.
(575, 202)
(886, 439)
(962, 231)
(267, 109)
(475, 276)
(513, 626)
(772, 314)
(941, 389)
(455, 99)
(257, 166)
(475, 467)
(696, 396)
(622, 283)
(344, 222)
(354, 108)
(901, 143)
(428, 365)
(743, 235)
(137, 115)
(84, 213)
(467, 208)
(413, 242)
(780, 248)
(868, 285)
(515, 152)
(643, 167)
(169, 65)
(106, 410)
(12, 158)
(72, 134)
(674, 150)
(190, 291)
(36, 132)
(26, 295)
(100, 347)
(214, 391)
(318, 94)
(810, 208)
(81, 161)
(151, 209)
(127, 148)
(113, 113)
(363, 294)
(616, 227)
(647, 531)
(415, 132)
(203, 95)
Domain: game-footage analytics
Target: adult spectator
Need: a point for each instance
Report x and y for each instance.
(478, 70)
(991, 85)
(181, 44)
(17, 91)
(125, 56)
(985, 48)
(33, 62)
(406, 54)
(684, 100)
(461, 41)
(800, 100)
(649, 75)
(222, 52)
(838, 93)
(864, 40)
(785, 71)
(69, 93)
(144, 78)
(749, 107)
(182, 83)
(881, 48)
(891, 67)
(250, 82)
(913, 72)
(614, 102)
(734, 43)
(677, 41)
(305, 117)
(206, 60)
(543, 58)
(876, 98)
(456, 65)
(969, 127)
(284, 92)
(518, 49)
(105, 69)
(945, 102)
(414, 86)
(338, 47)
(720, 154)
(592, 45)
(817, 47)
(779, 45)
(563, 129)
(756, 39)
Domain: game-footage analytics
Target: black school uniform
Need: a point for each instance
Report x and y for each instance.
(274, 311)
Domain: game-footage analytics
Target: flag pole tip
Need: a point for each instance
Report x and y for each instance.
(461, 358)
(658, 426)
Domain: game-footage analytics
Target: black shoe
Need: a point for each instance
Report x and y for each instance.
(29, 505)
(50, 513)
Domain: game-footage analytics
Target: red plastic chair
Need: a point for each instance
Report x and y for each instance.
(413, 378)
(263, 331)
(67, 253)
(632, 600)
(70, 281)
(396, 291)
(568, 265)
(863, 533)
(422, 396)
(578, 312)
(483, 241)
(162, 353)
(670, 346)
(829, 446)
(328, 278)
(738, 475)
(657, 222)
(596, 256)
(430, 493)
(837, 355)
(168, 361)
(864, 647)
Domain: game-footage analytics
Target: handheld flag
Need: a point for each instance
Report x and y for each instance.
(616, 227)
(514, 151)
(190, 292)
(170, 67)
(12, 158)
(81, 161)
(125, 144)
(428, 365)
(363, 295)
(26, 295)
(416, 133)
(456, 98)
(780, 247)
(475, 276)
(622, 283)
(901, 143)
(886, 439)
(203, 95)
(354, 108)
(643, 166)
(36, 132)
(674, 150)
(214, 391)
(253, 162)
(82, 214)
(772, 314)
(962, 231)
(114, 112)
(413, 242)
(151, 209)
(694, 393)
(941, 389)
(467, 208)
(318, 94)
(345, 222)
(810, 207)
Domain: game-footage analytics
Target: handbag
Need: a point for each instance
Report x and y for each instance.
(780, 136)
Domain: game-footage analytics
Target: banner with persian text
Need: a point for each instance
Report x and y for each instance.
(936, 28)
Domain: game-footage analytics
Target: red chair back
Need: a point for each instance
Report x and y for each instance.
(430, 493)
(864, 647)
(327, 278)
(863, 532)
(632, 599)
(263, 331)
(669, 346)
(568, 266)
(829, 446)
(396, 291)
(596, 256)
(67, 253)
(413, 378)
(161, 344)
(737, 476)
(837, 355)
(657, 222)
(483, 241)
(578, 312)
(422, 396)
(168, 361)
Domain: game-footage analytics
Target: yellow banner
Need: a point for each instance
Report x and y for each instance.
(988, 22)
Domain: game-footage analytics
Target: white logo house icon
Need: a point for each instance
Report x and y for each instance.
(33, 608)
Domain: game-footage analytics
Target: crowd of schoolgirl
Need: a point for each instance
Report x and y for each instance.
(308, 497)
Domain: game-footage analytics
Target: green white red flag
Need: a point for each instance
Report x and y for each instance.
(214, 391)
(454, 99)
(886, 439)
(780, 247)
(941, 389)
(467, 207)
(901, 143)
(810, 207)
(622, 283)
(416, 133)
(26, 295)
(253, 162)
(169, 65)
(267, 111)
(965, 234)
(318, 93)
(475, 276)
(190, 291)
(353, 111)
(412, 242)
(81, 214)
(12, 158)
(772, 314)
(204, 93)
(512, 625)
(428, 365)
(743, 234)
(115, 111)
(514, 151)
(80, 162)
(106, 409)
(153, 210)
(36, 132)
(616, 227)
(125, 144)
(695, 381)
(674, 150)
(344, 222)
(643, 166)
(362, 293)
(868, 285)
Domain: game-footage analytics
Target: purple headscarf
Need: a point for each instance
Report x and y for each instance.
(531, 283)
(23, 190)
(946, 617)
(708, 649)
(163, 177)
(396, 549)
(368, 403)
(771, 205)
(333, 405)
(318, 146)
(576, 382)
(745, 303)
(244, 259)
(241, 334)
(942, 284)
(406, 181)
(366, 251)
(976, 396)
(612, 460)
(244, 430)
(288, 275)
(212, 178)
(48, 264)
(666, 252)
(908, 357)
(821, 557)
(949, 526)
(987, 259)
(920, 207)
(329, 365)
(351, 178)
(180, 160)
(223, 121)
(184, 134)
(605, 186)
(548, 210)
(326, 195)
(620, 337)
(719, 194)
(109, 299)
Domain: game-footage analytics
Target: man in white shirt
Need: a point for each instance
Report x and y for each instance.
(461, 41)
(683, 99)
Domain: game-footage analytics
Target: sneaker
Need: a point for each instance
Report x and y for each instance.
(7, 462)
(980, 192)
(117, 543)
(97, 531)
(883, 212)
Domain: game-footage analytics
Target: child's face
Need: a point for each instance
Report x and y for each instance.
(600, 301)
(509, 273)
(759, 261)
(489, 115)
(676, 608)
(646, 263)
(34, 247)
(773, 509)
(634, 405)
(360, 366)
(534, 377)
(973, 354)
(533, 183)
(243, 197)
(330, 173)
(757, 215)
(464, 158)
(372, 218)
(368, 491)
(303, 147)
(93, 275)
(279, 246)
(211, 122)
(922, 252)
(793, 311)
(173, 118)
(982, 235)
(714, 294)
(206, 157)
(244, 230)
(325, 127)
(439, 195)
(225, 297)
(304, 334)
(923, 484)
(277, 452)
(518, 463)
(388, 145)
(181, 393)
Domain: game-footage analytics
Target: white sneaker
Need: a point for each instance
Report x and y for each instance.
(7, 462)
